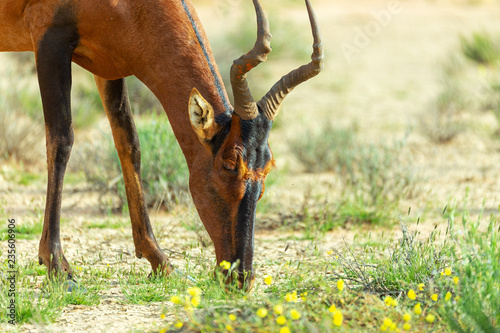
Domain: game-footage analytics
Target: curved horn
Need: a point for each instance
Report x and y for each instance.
(269, 104)
(245, 107)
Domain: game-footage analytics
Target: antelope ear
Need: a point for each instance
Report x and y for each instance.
(202, 118)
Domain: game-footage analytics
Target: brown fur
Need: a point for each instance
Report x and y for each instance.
(156, 42)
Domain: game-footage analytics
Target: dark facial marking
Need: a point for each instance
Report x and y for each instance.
(255, 134)
(218, 139)
(245, 224)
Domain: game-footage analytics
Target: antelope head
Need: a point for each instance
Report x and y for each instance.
(229, 181)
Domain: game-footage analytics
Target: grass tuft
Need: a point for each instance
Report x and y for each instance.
(373, 177)
(163, 168)
(481, 48)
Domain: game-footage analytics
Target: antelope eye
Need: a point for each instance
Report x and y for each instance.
(229, 166)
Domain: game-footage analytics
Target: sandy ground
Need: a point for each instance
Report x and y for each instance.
(384, 86)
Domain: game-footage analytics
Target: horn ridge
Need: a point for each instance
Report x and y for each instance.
(245, 106)
(270, 103)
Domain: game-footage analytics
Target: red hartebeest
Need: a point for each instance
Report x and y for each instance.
(163, 44)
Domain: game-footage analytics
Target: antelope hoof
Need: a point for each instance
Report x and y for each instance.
(56, 264)
(244, 280)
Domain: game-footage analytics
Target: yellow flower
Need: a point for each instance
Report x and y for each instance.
(295, 314)
(163, 330)
(291, 297)
(175, 299)
(340, 284)
(332, 308)
(232, 317)
(393, 327)
(194, 291)
(383, 328)
(389, 301)
(162, 316)
(303, 295)
(455, 279)
(284, 329)
(406, 327)
(278, 309)
(447, 297)
(407, 317)
(387, 322)
(268, 280)
(421, 286)
(188, 308)
(338, 318)
(430, 318)
(447, 271)
(411, 294)
(417, 309)
(281, 320)
(229, 328)
(434, 297)
(329, 252)
(262, 312)
(225, 264)
(195, 301)
(179, 324)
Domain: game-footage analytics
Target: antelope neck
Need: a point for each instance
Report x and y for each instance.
(217, 81)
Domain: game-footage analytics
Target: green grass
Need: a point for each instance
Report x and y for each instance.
(377, 289)
(481, 48)
(458, 273)
(139, 289)
(29, 228)
(478, 266)
(373, 177)
(163, 168)
(468, 84)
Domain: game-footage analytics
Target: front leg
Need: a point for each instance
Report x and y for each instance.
(116, 103)
(53, 59)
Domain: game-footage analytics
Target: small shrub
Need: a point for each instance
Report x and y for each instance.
(86, 106)
(163, 168)
(480, 48)
(478, 271)
(441, 122)
(164, 171)
(142, 100)
(407, 263)
(373, 180)
(21, 138)
(85, 101)
(329, 149)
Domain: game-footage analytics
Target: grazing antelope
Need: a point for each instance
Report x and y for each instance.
(163, 44)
